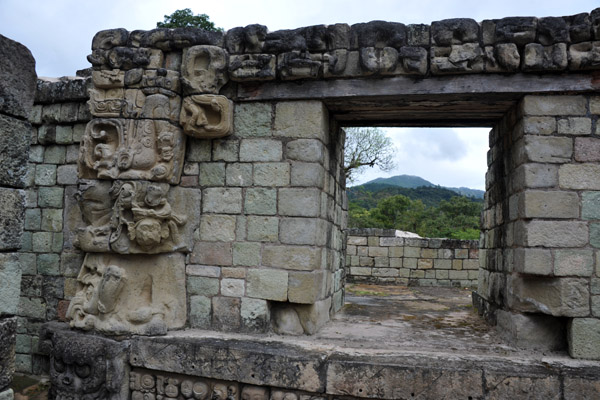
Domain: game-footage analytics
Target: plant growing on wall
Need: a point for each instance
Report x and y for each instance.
(367, 147)
(186, 19)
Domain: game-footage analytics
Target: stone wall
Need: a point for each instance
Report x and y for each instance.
(380, 256)
(539, 257)
(50, 261)
(17, 88)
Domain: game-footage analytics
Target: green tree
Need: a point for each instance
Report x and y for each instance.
(186, 19)
(367, 147)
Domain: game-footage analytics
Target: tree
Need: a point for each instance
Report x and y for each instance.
(186, 19)
(367, 147)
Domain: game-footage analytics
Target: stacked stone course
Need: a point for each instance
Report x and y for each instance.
(379, 256)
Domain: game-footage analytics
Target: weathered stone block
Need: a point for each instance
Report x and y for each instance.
(301, 258)
(309, 150)
(561, 297)
(261, 150)
(584, 338)
(66, 174)
(548, 204)
(252, 119)
(575, 126)
(546, 149)
(226, 150)
(232, 287)
(10, 276)
(198, 150)
(203, 270)
(584, 56)
(299, 202)
(200, 311)
(589, 205)
(199, 285)
(212, 253)
(255, 314)
(263, 229)
(539, 332)
(545, 58)
(15, 136)
(579, 176)
(50, 197)
(580, 388)
(573, 262)
(239, 174)
(48, 264)
(212, 174)
(301, 119)
(17, 77)
(12, 217)
(554, 105)
(556, 233)
(272, 174)
(222, 200)
(454, 31)
(307, 174)
(305, 287)
(217, 228)
(226, 313)
(587, 149)
(246, 254)
(310, 231)
(532, 176)
(8, 330)
(504, 386)
(267, 284)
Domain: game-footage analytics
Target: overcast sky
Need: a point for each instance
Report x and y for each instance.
(59, 34)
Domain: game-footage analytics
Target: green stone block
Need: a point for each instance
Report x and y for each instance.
(590, 206)
(28, 263)
(52, 219)
(212, 174)
(252, 119)
(55, 155)
(595, 235)
(261, 201)
(57, 242)
(45, 175)
(50, 197)
(64, 134)
(48, 264)
(246, 254)
(200, 285)
(33, 219)
(200, 310)
(26, 240)
(41, 242)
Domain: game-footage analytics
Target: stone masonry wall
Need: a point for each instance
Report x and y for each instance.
(378, 256)
(17, 88)
(540, 244)
(49, 259)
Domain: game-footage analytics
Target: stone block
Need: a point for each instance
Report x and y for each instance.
(66, 174)
(217, 228)
(267, 284)
(272, 174)
(198, 150)
(396, 251)
(584, 338)
(548, 204)
(302, 258)
(211, 174)
(308, 150)
(15, 134)
(578, 262)
(576, 388)
(546, 149)
(314, 316)
(376, 251)
(309, 231)
(225, 150)
(199, 285)
(263, 229)
(8, 330)
(301, 119)
(52, 219)
(533, 176)
(360, 271)
(246, 254)
(232, 287)
(260, 201)
(252, 120)
(212, 253)
(307, 174)
(17, 77)
(253, 150)
(442, 264)
(589, 205)
(575, 126)
(587, 149)
(556, 233)
(539, 125)
(579, 176)
(32, 307)
(529, 331)
(200, 312)
(42, 242)
(357, 240)
(203, 270)
(45, 175)
(305, 287)
(10, 278)
(255, 314)
(560, 297)
(554, 105)
(48, 264)
(239, 174)
(299, 202)
(222, 200)
(12, 218)
(545, 58)
(50, 197)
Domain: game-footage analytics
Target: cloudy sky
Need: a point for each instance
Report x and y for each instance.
(59, 34)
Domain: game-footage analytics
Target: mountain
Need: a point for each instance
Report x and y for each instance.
(411, 181)
(368, 195)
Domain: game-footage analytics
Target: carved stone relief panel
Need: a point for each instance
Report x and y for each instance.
(150, 385)
(204, 69)
(137, 217)
(133, 149)
(119, 294)
(252, 67)
(207, 116)
(87, 367)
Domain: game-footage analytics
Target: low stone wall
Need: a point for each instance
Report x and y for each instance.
(379, 256)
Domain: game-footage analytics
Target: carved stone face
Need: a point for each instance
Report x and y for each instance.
(219, 392)
(204, 69)
(148, 232)
(78, 369)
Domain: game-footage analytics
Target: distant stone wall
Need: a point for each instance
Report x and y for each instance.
(49, 260)
(379, 256)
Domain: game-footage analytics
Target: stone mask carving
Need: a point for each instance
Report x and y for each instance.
(207, 116)
(204, 69)
(87, 367)
(133, 149)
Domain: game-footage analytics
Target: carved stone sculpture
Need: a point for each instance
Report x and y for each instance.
(87, 367)
(132, 149)
(136, 217)
(255, 393)
(150, 385)
(252, 67)
(204, 69)
(118, 295)
(207, 116)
